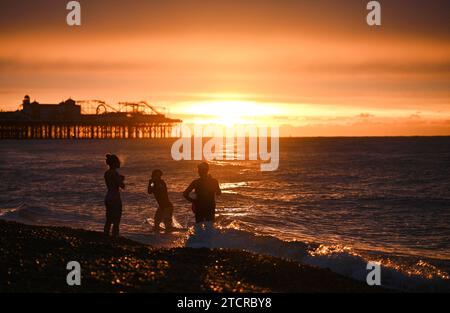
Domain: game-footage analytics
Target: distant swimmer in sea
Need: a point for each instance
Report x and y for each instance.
(204, 203)
(114, 181)
(158, 188)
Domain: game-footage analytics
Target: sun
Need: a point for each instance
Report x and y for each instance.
(231, 112)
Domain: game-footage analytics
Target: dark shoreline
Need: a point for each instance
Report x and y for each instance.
(34, 259)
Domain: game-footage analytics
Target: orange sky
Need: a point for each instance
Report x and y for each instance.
(313, 67)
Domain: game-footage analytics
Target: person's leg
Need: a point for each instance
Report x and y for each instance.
(168, 220)
(209, 222)
(198, 228)
(209, 225)
(116, 222)
(108, 222)
(211, 215)
(115, 230)
(107, 227)
(199, 219)
(157, 220)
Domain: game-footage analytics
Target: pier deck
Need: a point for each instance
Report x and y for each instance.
(16, 125)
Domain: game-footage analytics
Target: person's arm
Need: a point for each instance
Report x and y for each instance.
(164, 187)
(150, 187)
(187, 192)
(218, 190)
(121, 179)
(117, 179)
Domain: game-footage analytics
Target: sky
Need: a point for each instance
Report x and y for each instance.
(315, 68)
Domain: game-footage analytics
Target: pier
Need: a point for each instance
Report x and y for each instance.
(65, 121)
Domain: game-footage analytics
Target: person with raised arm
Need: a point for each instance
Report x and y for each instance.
(158, 188)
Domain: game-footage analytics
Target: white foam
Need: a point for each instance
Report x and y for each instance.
(341, 260)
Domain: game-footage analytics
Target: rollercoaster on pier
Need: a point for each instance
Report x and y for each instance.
(86, 119)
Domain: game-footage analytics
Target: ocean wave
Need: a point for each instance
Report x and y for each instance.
(24, 213)
(37, 214)
(419, 276)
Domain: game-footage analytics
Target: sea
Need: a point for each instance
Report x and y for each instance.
(336, 203)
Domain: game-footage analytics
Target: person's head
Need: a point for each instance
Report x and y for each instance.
(203, 169)
(156, 174)
(113, 161)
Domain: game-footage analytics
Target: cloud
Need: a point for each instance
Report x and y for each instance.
(378, 127)
(365, 115)
(415, 116)
(67, 65)
(400, 18)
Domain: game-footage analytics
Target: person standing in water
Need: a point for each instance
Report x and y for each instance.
(204, 204)
(114, 181)
(158, 188)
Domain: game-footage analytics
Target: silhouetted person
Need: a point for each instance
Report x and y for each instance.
(158, 188)
(204, 204)
(114, 181)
